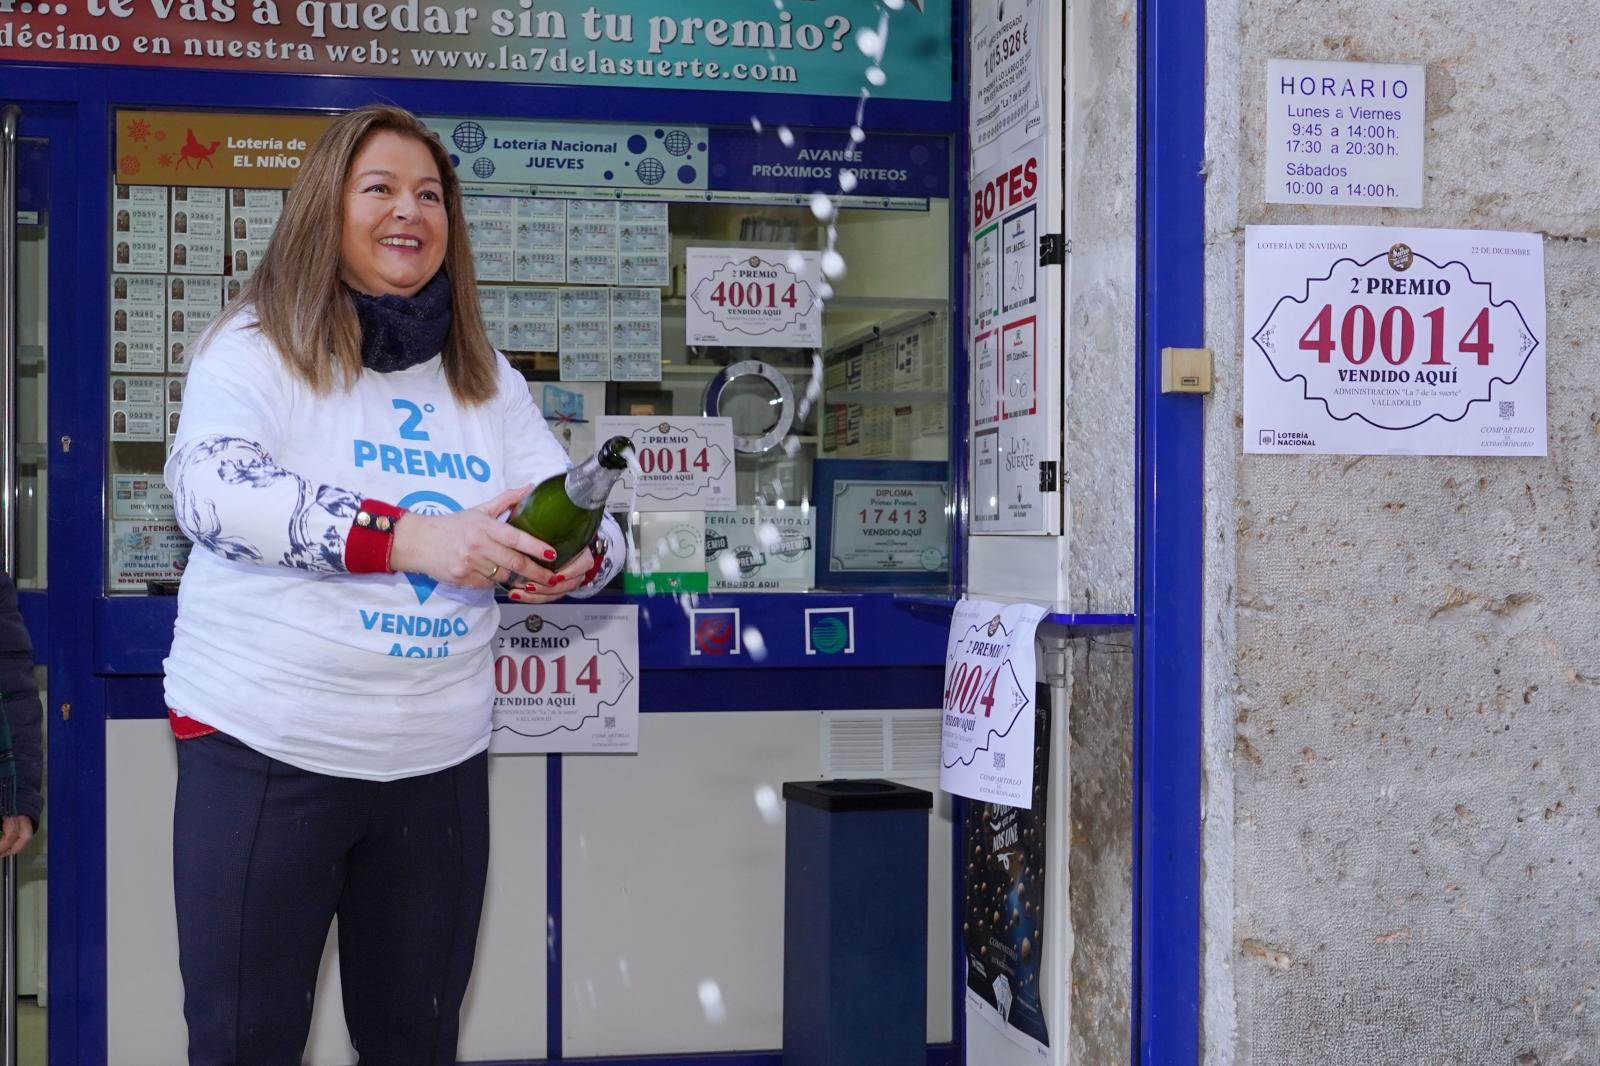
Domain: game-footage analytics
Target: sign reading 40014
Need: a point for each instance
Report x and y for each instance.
(1434, 338)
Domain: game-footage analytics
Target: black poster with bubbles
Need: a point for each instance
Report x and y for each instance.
(1003, 920)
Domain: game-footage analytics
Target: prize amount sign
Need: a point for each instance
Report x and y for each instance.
(1367, 340)
(986, 748)
(566, 679)
(737, 297)
(678, 464)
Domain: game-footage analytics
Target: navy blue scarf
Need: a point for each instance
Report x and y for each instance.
(398, 332)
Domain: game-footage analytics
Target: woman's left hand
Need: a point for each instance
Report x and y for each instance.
(546, 587)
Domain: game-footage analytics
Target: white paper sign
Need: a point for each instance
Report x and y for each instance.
(141, 496)
(761, 549)
(1365, 340)
(1344, 133)
(683, 463)
(986, 751)
(754, 298)
(146, 551)
(1009, 327)
(1005, 94)
(884, 526)
(566, 679)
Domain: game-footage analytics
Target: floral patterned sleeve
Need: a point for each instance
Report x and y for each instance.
(233, 499)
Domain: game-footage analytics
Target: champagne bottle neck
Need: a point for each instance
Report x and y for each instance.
(589, 483)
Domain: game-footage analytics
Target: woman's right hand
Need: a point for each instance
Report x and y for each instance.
(472, 548)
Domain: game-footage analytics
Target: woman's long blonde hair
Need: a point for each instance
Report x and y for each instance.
(296, 293)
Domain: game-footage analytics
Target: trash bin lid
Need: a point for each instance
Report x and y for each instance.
(857, 795)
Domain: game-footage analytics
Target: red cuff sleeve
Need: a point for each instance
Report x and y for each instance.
(371, 538)
(597, 551)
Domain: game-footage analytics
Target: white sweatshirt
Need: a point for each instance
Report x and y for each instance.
(375, 676)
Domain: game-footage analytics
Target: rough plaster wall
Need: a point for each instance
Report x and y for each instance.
(1101, 854)
(1102, 58)
(1223, 307)
(1101, 98)
(1404, 663)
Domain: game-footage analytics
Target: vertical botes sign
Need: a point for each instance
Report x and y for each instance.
(1012, 356)
(1008, 354)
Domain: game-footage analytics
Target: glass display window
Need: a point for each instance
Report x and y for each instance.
(696, 291)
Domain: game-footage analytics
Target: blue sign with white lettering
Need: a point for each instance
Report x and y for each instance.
(881, 165)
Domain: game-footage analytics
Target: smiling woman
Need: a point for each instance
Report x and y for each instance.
(329, 741)
(395, 226)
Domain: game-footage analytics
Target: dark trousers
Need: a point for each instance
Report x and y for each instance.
(266, 855)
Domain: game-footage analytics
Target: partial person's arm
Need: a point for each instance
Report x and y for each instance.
(234, 499)
(231, 495)
(21, 750)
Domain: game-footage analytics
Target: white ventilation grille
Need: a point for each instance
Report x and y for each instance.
(914, 746)
(898, 745)
(853, 746)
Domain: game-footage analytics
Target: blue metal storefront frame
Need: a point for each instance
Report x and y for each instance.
(106, 653)
(1169, 544)
(74, 107)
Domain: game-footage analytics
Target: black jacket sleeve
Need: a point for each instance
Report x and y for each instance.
(20, 698)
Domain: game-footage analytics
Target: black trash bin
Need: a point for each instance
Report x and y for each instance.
(855, 924)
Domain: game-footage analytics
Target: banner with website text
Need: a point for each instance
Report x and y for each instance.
(806, 49)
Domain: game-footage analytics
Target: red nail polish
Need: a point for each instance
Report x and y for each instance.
(558, 579)
(550, 553)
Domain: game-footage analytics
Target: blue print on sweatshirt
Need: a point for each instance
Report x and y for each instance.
(426, 502)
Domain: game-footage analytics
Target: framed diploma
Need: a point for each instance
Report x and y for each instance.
(882, 523)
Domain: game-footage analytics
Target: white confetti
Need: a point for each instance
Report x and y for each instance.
(769, 806)
(711, 1002)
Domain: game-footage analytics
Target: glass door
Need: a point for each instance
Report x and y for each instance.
(24, 388)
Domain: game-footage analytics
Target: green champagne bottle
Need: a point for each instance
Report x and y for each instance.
(564, 510)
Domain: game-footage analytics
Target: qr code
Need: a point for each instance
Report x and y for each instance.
(611, 723)
(1508, 408)
(999, 760)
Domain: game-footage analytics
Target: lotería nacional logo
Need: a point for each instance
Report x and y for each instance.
(1400, 257)
(714, 631)
(830, 631)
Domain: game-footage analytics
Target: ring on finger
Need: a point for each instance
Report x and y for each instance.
(491, 575)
